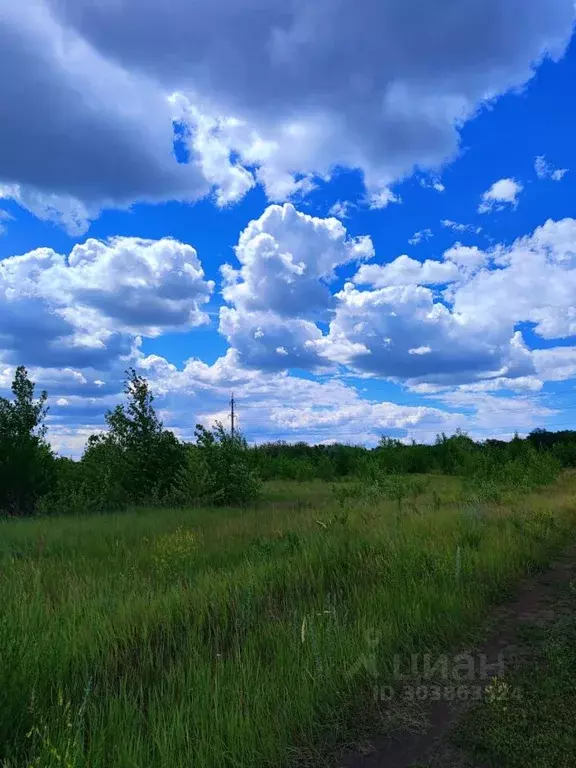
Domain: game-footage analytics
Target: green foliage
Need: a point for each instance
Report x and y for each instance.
(26, 461)
(215, 471)
(518, 463)
(303, 462)
(158, 469)
(150, 455)
(562, 445)
(136, 461)
(399, 488)
(94, 484)
(226, 469)
(192, 481)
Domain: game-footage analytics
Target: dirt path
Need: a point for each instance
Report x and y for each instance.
(537, 602)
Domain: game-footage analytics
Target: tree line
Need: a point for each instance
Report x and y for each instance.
(137, 461)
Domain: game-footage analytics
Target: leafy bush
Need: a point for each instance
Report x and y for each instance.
(216, 471)
(230, 479)
(91, 485)
(192, 482)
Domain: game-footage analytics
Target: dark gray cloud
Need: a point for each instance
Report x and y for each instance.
(392, 76)
(77, 126)
(379, 85)
(270, 55)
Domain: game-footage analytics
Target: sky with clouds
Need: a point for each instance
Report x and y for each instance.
(357, 216)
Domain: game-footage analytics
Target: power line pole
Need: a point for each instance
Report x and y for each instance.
(232, 415)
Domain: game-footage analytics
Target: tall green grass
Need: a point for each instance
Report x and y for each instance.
(235, 637)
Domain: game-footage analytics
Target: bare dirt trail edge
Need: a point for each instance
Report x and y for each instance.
(536, 602)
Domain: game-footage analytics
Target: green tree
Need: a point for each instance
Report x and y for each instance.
(26, 460)
(149, 455)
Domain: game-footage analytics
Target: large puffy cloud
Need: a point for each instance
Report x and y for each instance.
(292, 88)
(268, 342)
(106, 136)
(556, 364)
(470, 333)
(87, 310)
(458, 264)
(37, 326)
(287, 260)
(379, 89)
(143, 286)
(532, 281)
(407, 271)
(449, 329)
(409, 336)
(454, 321)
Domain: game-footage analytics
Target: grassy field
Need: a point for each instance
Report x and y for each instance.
(238, 637)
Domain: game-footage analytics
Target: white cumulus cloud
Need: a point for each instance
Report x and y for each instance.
(445, 322)
(287, 261)
(90, 307)
(502, 193)
(407, 271)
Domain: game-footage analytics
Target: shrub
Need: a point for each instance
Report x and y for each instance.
(91, 485)
(192, 482)
(216, 471)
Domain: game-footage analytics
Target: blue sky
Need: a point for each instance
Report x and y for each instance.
(361, 220)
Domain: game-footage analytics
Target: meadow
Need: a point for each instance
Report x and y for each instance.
(248, 636)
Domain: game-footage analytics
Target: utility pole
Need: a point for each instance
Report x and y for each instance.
(232, 415)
